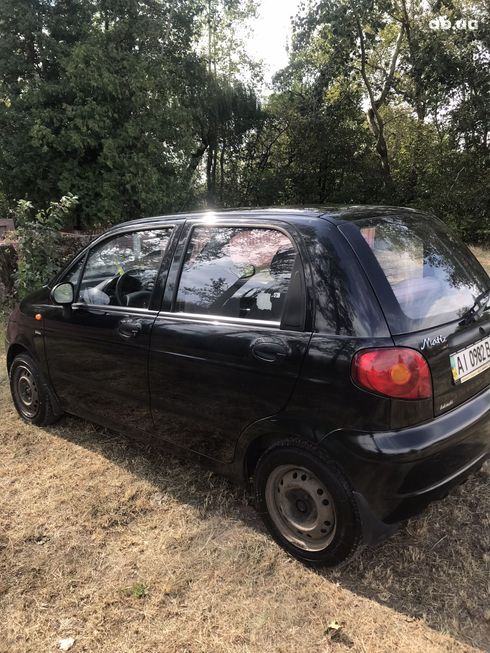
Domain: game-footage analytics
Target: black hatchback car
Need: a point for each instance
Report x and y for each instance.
(336, 360)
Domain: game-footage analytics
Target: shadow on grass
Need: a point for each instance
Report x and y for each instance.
(435, 568)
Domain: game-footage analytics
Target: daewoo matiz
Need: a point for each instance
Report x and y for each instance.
(336, 361)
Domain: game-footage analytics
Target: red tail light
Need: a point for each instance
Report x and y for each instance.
(393, 371)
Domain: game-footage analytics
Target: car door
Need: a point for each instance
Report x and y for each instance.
(228, 346)
(97, 350)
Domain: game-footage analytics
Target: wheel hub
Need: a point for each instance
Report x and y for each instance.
(27, 392)
(301, 507)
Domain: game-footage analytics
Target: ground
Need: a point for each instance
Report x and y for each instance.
(484, 256)
(126, 551)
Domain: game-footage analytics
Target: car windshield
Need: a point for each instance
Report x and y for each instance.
(433, 275)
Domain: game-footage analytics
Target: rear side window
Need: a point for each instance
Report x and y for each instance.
(433, 276)
(239, 272)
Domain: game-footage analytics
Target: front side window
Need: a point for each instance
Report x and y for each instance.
(73, 275)
(122, 271)
(239, 272)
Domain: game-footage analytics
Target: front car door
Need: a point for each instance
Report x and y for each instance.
(227, 348)
(97, 351)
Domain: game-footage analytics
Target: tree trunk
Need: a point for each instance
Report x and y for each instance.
(196, 159)
(211, 176)
(375, 121)
(376, 125)
(213, 171)
(417, 69)
(222, 172)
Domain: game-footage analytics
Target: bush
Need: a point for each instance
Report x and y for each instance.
(8, 265)
(38, 235)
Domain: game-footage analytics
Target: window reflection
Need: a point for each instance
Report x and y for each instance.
(122, 271)
(73, 275)
(430, 272)
(236, 272)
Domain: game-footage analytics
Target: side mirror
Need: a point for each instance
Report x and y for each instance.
(63, 294)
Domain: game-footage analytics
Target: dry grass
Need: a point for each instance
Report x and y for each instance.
(484, 255)
(129, 551)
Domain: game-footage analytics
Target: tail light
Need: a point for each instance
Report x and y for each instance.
(395, 372)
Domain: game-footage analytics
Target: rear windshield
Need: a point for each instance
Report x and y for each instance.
(433, 276)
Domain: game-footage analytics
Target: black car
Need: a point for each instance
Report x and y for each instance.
(334, 360)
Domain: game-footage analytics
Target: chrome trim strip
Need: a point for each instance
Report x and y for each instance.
(107, 308)
(219, 318)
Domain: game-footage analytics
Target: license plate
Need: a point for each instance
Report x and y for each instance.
(468, 362)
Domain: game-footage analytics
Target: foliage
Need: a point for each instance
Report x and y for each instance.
(8, 264)
(38, 241)
(111, 100)
(141, 108)
(136, 591)
(96, 103)
(377, 107)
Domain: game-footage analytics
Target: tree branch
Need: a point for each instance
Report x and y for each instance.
(391, 73)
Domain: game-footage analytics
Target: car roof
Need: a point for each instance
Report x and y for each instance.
(334, 213)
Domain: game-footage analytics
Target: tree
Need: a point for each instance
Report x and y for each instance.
(425, 95)
(147, 106)
(95, 102)
(228, 106)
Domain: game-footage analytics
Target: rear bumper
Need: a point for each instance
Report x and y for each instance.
(398, 473)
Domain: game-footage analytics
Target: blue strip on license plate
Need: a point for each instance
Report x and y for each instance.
(468, 362)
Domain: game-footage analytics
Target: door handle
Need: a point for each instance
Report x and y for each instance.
(129, 328)
(269, 351)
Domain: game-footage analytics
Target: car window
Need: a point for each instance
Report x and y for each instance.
(73, 275)
(122, 271)
(433, 276)
(240, 272)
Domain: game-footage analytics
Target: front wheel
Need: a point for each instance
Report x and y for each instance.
(33, 398)
(307, 503)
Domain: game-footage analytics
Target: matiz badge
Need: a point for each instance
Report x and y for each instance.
(432, 342)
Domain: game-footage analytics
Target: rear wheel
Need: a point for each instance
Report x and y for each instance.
(307, 503)
(32, 396)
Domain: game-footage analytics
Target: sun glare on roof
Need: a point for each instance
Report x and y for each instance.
(209, 217)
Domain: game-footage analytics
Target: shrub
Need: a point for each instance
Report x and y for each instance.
(38, 235)
(8, 264)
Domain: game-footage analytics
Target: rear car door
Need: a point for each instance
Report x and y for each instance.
(228, 346)
(97, 350)
(434, 295)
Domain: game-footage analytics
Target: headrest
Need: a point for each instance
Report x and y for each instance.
(283, 261)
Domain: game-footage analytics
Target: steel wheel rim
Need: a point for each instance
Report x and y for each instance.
(301, 507)
(27, 391)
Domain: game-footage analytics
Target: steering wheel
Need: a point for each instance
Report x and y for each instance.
(122, 279)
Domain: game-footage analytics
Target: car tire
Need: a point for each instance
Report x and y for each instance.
(33, 397)
(307, 503)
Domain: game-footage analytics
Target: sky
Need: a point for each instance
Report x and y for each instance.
(271, 33)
